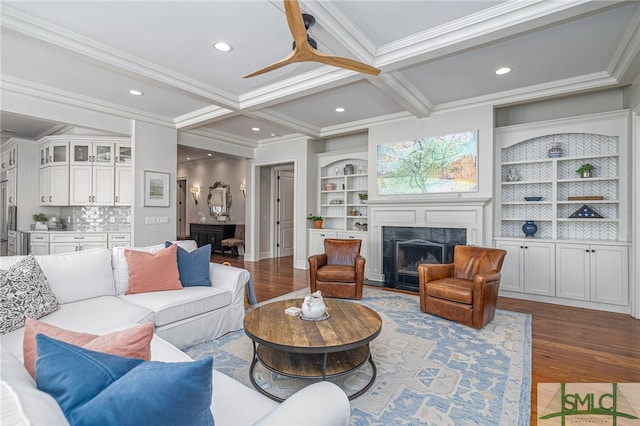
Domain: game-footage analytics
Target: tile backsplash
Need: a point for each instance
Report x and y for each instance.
(96, 218)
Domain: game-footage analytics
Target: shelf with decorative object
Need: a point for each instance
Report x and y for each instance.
(584, 192)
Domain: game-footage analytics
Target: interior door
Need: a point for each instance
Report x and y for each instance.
(285, 213)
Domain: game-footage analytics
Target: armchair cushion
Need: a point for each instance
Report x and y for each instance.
(453, 289)
(340, 273)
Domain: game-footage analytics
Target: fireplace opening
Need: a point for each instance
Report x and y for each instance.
(404, 248)
(410, 254)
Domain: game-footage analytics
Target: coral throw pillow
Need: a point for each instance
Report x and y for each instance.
(133, 342)
(153, 272)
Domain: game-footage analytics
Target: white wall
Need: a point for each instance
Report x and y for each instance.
(154, 148)
(479, 118)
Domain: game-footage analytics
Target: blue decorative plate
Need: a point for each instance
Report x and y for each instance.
(533, 198)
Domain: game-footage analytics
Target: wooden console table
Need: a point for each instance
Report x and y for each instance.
(213, 234)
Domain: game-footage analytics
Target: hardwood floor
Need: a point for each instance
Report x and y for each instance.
(568, 344)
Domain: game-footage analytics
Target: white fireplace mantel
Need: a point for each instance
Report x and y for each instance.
(443, 212)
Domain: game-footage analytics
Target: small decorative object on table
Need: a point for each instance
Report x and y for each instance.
(529, 228)
(313, 307)
(555, 151)
(360, 226)
(512, 176)
(330, 186)
(586, 170)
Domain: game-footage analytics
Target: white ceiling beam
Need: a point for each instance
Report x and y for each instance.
(627, 56)
(395, 86)
(284, 121)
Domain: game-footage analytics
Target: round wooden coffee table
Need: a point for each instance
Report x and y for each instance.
(316, 350)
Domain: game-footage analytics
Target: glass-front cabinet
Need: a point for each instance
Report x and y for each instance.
(97, 153)
(54, 154)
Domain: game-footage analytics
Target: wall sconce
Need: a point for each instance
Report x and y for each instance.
(243, 188)
(194, 191)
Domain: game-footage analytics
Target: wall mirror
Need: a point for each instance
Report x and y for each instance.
(219, 201)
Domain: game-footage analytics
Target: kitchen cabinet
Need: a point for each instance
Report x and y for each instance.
(593, 272)
(213, 234)
(70, 242)
(91, 185)
(123, 186)
(528, 267)
(123, 154)
(54, 152)
(99, 153)
(9, 156)
(54, 186)
(39, 244)
(4, 159)
(12, 243)
(12, 187)
(119, 239)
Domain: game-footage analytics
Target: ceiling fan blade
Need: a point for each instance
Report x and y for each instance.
(281, 63)
(350, 64)
(295, 21)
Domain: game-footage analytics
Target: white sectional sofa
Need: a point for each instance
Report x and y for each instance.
(90, 288)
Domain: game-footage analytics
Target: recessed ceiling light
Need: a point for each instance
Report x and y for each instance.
(503, 70)
(188, 158)
(274, 135)
(340, 109)
(221, 46)
(255, 129)
(209, 154)
(135, 92)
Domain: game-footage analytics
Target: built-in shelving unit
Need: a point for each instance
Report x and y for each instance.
(578, 261)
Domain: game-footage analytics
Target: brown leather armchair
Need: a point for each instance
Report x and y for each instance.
(339, 272)
(465, 291)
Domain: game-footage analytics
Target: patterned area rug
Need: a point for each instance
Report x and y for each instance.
(430, 370)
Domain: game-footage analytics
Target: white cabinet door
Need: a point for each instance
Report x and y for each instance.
(573, 271)
(123, 186)
(512, 267)
(4, 159)
(39, 248)
(609, 274)
(103, 186)
(12, 186)
(539, 270)
(123, 154)
(58, 248)
(80, 187)
(58, 186)
(316, 240)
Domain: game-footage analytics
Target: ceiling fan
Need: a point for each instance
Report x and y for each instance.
(304, 47)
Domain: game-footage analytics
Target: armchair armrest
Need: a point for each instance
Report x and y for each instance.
(432, 272)
(229, 278)
(319, 404)
(488, 277)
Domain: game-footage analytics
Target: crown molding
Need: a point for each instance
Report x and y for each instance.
(597, 80)
(627, 51)
(223, 137)
(22, 87)
(41, 30)
(360, 125)
(281, 120)
(499, 22)
(201, 116)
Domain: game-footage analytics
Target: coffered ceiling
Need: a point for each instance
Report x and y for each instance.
(434, 56)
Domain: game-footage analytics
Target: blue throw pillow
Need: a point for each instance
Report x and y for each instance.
(193, 266)
(94, 388)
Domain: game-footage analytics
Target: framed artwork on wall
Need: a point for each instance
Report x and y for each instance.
(436, 164)
(156, 189)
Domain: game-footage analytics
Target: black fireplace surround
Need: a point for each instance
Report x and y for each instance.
(404, 248)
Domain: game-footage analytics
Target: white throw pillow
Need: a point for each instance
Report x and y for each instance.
(121, 268)
(79, 275)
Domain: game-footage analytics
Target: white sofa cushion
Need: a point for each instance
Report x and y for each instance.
(121, 268)
(99, 315)
(175, 305)
(38, 407)
(79, 275)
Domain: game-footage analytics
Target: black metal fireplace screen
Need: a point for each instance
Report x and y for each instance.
(411, 253)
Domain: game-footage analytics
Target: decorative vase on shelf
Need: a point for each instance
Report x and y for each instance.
(529, 228)
(555, 151)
